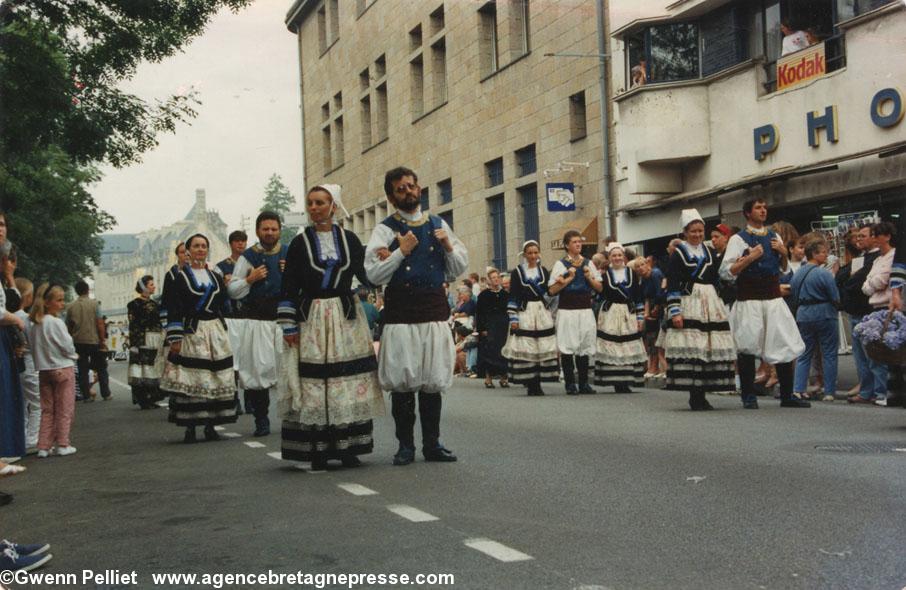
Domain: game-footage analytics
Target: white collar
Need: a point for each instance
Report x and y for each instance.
(758, 232)
(414, 216)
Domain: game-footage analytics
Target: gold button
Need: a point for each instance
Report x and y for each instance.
(431, 249)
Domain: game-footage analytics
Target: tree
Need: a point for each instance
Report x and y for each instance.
(278, 199)
(63, 114)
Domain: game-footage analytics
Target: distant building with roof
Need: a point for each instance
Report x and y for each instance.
(125, 258)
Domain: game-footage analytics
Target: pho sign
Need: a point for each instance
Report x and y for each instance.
(802, 66)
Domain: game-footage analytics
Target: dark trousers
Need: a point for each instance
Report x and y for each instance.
(259, 401)
(581, 367)
(403, 410)
(745, 364)
(91, 358)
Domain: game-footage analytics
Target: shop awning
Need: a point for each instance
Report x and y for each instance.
(776, 175)
(587, 226)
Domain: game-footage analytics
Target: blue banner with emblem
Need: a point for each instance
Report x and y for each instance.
(561, 196)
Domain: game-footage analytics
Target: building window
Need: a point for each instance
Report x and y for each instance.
(439, 71)
(334, 17)
(322, 29)
(519, 28)
(487, 38)
(724, 39)
(673, 51)
(415, 39)
(328, 24)
(497, 217)
(364, 80)
(448, 217)
(417, 86)
(425, 199)
(380, 66)
(365, 111)
(494, 172)
(528, 198)
(437, 20)
(339, 155)
(445, 188)
(326, 147)
(525, 161)
(577, 118)
(382, 123)
(362, 5)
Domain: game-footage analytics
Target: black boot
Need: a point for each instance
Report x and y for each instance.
(403, 410)
(582, 369)
(697, 401)
(785, 373)
(190, 437)
(210, 434)
(569, 375)
(260, 402)
(429, 407)
(534, 387)
(745, 364)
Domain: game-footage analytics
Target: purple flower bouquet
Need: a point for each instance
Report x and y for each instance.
(884, 336)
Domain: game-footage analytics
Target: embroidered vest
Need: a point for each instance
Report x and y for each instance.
(579, 284)
(424, 268)
(766, 266)
(270, 286)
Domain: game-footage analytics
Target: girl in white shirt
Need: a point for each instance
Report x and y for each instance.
(54, 353)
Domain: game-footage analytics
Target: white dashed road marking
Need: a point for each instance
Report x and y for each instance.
(410, 513)
(496, 550)
(356, 489)
(255, 444)
(220, 428)
(231, 434)
(276, 455)
(120, 383)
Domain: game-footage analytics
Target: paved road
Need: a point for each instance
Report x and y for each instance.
(593, 492)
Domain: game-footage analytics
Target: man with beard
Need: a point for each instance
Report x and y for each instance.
(254, 334)
(413, 253)
(762, 324)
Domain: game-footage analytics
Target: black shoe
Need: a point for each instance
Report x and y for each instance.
(5, 498)
(795, 402)
(622, 389)
(210, 434)
(351, 461)
(587, 389)
(571, 389)
(262, 431)
(318, 464)
(439, 453)
(404, 456)
(706, 405)
(752, 404)
(189, 437)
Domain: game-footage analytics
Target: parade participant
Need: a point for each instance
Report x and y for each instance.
(12, 425)
(332, 390)
(256, 339)
(762, 324)
(199, 370)
(531, 346)
(238, 241)
(417, 352)
(146, 355)
(621, 357)
(54, 353)
(575, 279)
(492, 324)
(182, 259)
(697, 339)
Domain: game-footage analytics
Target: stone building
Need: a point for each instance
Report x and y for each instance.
(496, 105)
(462, 92)
(723, 116)
(128, 257)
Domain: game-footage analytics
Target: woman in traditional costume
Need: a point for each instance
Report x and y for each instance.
(531, 346)
(697, 340)
(199, 371)
(146, 359)
(330, 390)
(621, 358)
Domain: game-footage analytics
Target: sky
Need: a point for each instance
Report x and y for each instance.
(245, 67)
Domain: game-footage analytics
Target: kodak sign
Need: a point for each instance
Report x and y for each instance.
(802, 66)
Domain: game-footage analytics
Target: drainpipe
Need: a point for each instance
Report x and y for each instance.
(605, 119)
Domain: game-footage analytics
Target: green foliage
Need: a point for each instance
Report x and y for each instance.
(61, 62)
(278, 199)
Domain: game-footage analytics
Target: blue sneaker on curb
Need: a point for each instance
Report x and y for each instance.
(11, 561)
(33, 549)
